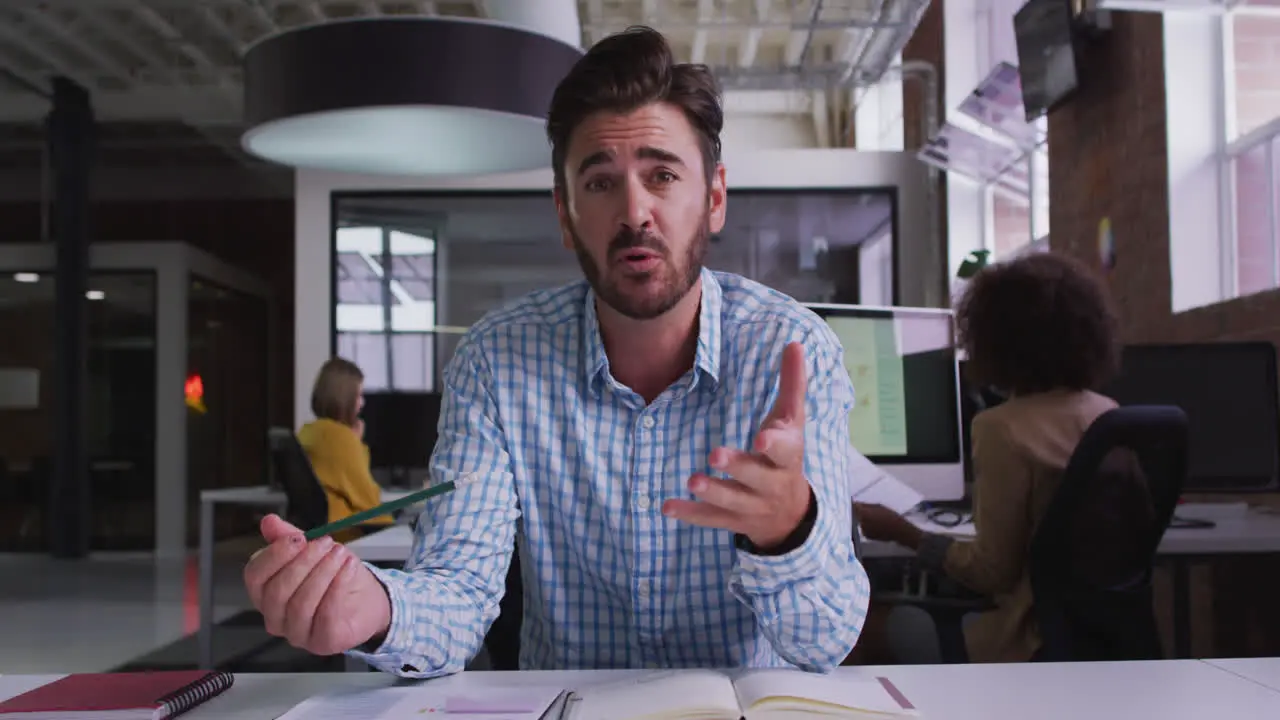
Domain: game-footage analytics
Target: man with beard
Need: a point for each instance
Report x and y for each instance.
(667, 447)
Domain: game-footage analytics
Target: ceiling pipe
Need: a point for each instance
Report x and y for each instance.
(554, 18)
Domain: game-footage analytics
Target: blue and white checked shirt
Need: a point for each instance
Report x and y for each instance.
(576, 466)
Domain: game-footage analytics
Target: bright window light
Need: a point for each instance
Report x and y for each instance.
(408, 314)
(368, 241)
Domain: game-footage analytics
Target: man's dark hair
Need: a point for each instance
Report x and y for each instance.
(625, 72)
(1039, 323)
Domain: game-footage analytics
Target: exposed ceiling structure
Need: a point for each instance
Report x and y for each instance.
(164, 75)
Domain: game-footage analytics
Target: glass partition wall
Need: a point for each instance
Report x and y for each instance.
(120, 417)
(226, 394)
(137, 414)
(455, 256)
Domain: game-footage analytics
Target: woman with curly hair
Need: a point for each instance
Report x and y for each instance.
(1041, 330)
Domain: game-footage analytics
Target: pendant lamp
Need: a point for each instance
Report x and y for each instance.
(404, 96)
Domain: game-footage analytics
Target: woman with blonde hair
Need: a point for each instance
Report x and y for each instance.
(334, 443)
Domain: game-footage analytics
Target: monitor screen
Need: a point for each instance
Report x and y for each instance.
(400, 428)
(902, 362)
(1228, 391)
(1044, 35)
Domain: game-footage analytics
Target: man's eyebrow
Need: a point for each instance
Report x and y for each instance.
(653, 153)
(596, 158)
(647, 152)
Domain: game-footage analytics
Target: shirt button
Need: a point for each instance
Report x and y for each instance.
(644, 588)
(647, 422)
(642, 502)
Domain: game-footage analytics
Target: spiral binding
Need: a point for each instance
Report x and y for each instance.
(180, 701)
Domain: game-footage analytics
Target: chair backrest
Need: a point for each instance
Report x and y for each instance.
(308, 506)
(1092, 554)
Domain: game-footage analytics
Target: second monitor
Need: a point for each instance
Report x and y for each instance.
(907, 415)
(400, 430)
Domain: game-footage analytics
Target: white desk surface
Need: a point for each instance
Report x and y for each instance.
(385, 546)
(253, 495)
(1264, 671)
(1169, 690)
(1247, 532)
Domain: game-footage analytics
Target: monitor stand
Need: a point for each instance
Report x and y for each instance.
(398, 477)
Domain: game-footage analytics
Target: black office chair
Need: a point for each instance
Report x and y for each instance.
(1092, 555)
(308, 506)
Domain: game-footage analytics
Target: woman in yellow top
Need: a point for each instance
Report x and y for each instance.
(335, 446)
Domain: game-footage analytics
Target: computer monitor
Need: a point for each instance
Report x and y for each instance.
(400, 430)
(907, 417)
(1228, 391)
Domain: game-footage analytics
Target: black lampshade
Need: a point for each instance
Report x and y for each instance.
(412, 96)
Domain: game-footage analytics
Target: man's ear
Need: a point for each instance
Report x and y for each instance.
(562, 215)
(717, 199)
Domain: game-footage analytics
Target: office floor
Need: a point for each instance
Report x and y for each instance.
(96, 614)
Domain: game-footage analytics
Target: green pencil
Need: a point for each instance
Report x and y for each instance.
(384, 509)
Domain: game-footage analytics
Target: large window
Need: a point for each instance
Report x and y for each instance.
(413, 271)
(987, 141)
(1016, 220)
(385, 300)
(1251, 34)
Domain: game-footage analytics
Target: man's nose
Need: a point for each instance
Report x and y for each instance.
(638, 212)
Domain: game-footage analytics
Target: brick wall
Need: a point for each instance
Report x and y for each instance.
(927, 45)
(1107, 158)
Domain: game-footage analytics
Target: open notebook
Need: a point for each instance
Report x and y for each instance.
(753, 695)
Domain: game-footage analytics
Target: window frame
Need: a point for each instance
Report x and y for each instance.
(1035, 233)
(1232, 147)
(389, 331)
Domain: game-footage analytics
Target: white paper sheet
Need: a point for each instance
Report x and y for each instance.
(881, 488)
(347, 704)
(430, 700)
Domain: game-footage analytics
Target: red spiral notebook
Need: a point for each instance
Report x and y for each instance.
(118, 696)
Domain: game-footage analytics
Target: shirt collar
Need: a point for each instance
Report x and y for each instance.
(707, 358)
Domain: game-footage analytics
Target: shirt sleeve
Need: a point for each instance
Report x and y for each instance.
(811, 602)
(993, 562)
(447, 595)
